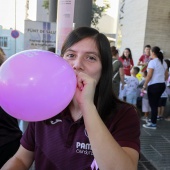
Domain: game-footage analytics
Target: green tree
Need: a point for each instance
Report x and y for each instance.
(97, 11)
(46, 4)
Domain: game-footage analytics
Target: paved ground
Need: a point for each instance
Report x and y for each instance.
(155, 145)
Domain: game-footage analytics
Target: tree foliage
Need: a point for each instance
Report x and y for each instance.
(97, 11)
(46, 4)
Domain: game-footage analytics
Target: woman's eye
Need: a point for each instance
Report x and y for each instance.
(69, 55)
(91, 58)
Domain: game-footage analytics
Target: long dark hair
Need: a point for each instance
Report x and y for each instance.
(104, 98)
(130, 54)
(114, 51)
(158, 53)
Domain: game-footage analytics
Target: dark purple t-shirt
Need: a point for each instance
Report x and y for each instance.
(63, 144)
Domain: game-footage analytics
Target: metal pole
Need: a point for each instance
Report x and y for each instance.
(53, 10)
(82, 13)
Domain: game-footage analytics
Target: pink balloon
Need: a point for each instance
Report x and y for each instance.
(36, 85)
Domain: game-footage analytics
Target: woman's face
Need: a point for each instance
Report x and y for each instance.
(84, 57)
(126, 53)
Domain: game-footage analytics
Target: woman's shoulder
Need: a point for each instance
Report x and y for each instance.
(125, 126)
(152, 62)
(126, 107)
(124, 111)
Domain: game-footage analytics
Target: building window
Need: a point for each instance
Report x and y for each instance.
(4, 41)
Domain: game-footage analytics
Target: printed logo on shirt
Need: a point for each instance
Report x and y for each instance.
(55, 121)
(83, 148)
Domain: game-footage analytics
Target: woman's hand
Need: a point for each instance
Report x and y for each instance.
(143, 89)
(85, 89)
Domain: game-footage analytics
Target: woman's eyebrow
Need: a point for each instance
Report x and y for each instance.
(92, 52)
(68, 50)
(88, 52)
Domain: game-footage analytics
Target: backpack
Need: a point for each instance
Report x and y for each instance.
(116, 72)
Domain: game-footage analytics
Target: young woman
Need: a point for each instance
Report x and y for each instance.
(155, 80)
(127, 61)
(94, 125)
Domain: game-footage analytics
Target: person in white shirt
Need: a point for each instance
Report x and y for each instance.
(157, 74)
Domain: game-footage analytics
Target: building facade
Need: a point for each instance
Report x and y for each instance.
(141, 23)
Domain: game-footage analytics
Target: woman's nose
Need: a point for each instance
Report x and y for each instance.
(78, 64)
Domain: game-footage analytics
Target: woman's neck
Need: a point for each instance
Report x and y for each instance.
(75, 110)
(153, 57)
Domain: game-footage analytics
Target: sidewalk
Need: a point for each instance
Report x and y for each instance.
(155, 145)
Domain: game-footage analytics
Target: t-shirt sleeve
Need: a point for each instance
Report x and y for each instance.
(28, 138)
(141, 58)
(126, 129)
(151, 64)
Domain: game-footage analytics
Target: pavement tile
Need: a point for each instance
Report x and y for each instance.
(155, 145)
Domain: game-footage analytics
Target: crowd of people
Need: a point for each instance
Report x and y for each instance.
(100, 128)
(153, 88)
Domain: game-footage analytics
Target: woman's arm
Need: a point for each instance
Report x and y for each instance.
(121, 73)
(22, 160)
(166, 75)
(139, 63)
(148, 78)
(107, 152)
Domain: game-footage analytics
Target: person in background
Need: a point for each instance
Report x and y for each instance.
(168, 92)
(127, 61)
(10, 133)
(168, 85)
(132, 86)
(162, 104)
(52, 49)
(163, 99)
(2, 56)
(155, 80)
(10, 136)
(145, 102)
(118, 73)
(145, 58)
(95, 125)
